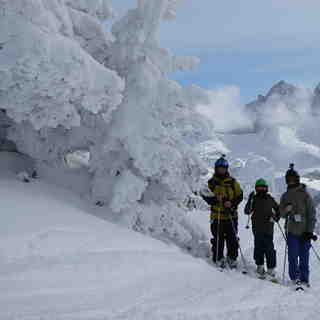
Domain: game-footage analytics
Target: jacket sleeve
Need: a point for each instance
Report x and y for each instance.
(209, 197)
(211, 201)
(238, 194)
(311, 214)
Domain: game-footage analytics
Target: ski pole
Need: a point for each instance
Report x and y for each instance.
(218, 237)
(285, 235)
(245, 271)
(282, 232)
(218, 230)
(251, 209)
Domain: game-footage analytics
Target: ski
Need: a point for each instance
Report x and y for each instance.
(243, 271)
(221, 266)
(275, 280)
(265, 277)
(261, 273)
(235, 267)
(272, 278)
(225, 267)
(246, 272)
(221, 269)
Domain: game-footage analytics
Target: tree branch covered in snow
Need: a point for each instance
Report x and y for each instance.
(46, 78)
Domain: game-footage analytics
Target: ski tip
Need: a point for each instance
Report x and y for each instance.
(275, 281)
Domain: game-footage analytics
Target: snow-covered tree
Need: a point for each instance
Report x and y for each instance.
(52, 83)
(144, 164)
(68, 85)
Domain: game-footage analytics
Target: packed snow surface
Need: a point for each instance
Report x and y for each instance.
(58, 261)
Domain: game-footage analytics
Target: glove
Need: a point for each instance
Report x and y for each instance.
(309, 236)
(276, 218)
(209, 200)
(288, 208)
(228, 204)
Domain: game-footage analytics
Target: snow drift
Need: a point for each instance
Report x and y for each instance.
(57, 262)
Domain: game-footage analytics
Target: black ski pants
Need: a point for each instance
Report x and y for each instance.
(224, 232)
(264, 248)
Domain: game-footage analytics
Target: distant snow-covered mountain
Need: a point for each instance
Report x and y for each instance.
(282, 102)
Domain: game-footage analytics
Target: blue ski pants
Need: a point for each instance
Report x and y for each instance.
(298, 257)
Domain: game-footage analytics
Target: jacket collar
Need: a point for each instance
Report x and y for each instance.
(262, 195)
(221, 178)
(297, 187)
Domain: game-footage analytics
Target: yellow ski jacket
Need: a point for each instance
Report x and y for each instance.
(224, 190)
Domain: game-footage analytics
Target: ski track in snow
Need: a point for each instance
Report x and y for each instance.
(63, 264)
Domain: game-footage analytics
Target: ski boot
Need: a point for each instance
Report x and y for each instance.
(261, 272)
(232, 263)
(221, 264)
(299, 286)
(271, 273)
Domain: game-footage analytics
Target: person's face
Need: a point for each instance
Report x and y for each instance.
(221, 171)
(261, 189)
(291, 181)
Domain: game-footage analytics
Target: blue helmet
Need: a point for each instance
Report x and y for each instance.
(222, 162)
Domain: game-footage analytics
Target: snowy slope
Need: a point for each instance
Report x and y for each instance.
(59, 262)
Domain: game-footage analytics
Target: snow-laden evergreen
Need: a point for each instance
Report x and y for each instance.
(71, 87)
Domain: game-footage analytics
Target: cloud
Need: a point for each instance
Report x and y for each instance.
(292, 111)
(287, 123)
(226, 111)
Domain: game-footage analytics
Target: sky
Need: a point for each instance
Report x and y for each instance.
(249, 44)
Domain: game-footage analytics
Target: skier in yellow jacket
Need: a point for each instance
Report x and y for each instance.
(225, 197)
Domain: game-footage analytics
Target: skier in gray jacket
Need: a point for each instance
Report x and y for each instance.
(296, 206)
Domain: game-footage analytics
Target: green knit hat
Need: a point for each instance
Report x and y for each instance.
(261, 183)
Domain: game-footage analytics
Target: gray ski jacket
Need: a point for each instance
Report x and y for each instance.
(302, 217)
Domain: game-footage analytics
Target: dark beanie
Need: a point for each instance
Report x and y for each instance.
(291, 173)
